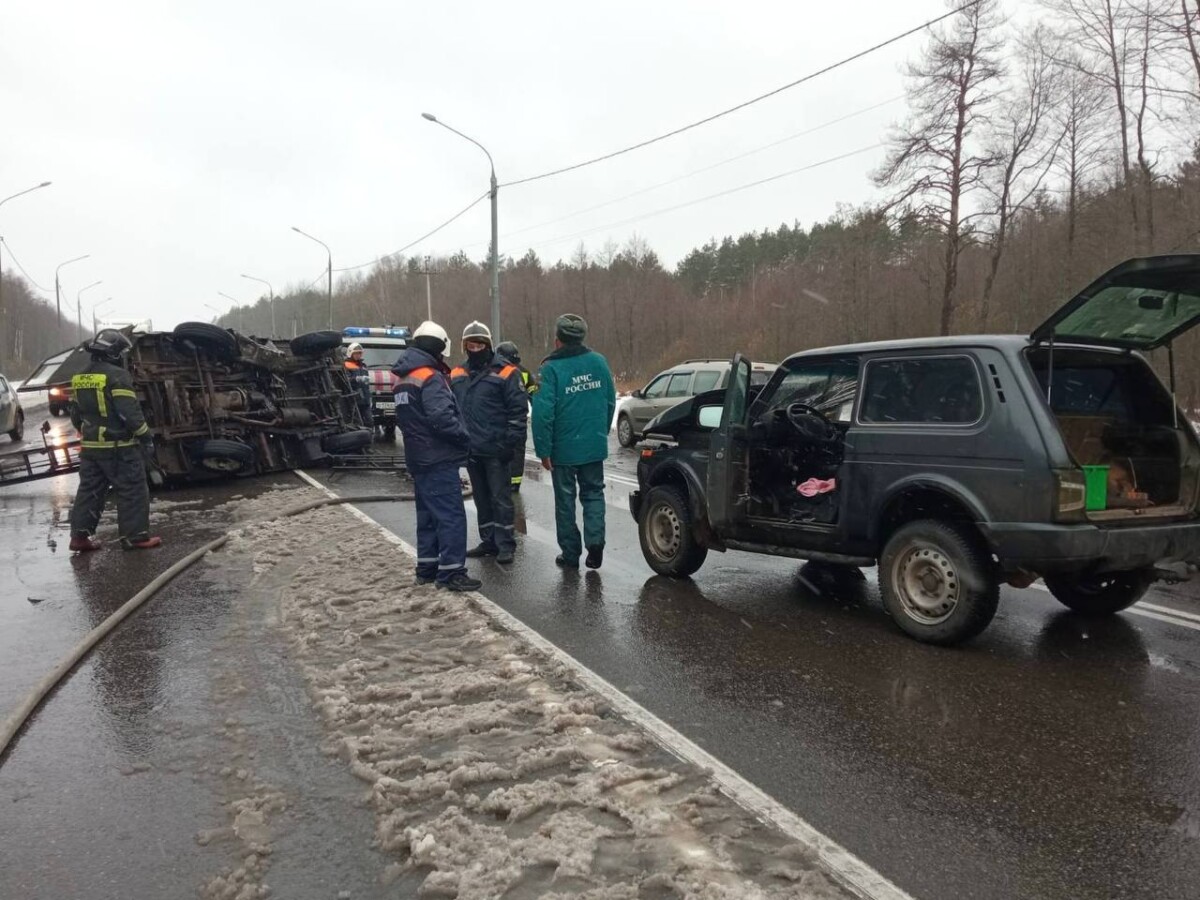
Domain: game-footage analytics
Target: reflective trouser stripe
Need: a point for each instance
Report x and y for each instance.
(457, 565)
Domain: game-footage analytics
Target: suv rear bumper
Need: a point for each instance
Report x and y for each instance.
(1071, 548)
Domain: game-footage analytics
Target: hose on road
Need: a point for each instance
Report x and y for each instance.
(17, 719)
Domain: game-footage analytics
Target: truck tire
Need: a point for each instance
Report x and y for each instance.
(665, 532)
(219, 455)
(625, 435)
(1100, 595)
(937, 582)
(346, 441)
(18, 429)
(209, 339)
(316, 343)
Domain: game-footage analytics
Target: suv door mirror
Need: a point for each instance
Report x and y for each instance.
(709, 417)
(636, 393)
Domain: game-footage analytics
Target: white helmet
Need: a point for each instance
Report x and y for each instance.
(434, 330)
(354, 348)
(476, 331)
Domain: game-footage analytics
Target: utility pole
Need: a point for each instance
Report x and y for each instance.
(428, 290)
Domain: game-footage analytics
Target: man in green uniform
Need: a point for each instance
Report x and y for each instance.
(115, 443)
(572, 414)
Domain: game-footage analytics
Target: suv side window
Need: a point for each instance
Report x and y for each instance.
(827, 385)
(940, 390)
(657, 387)
(679, 384)
(705, 381)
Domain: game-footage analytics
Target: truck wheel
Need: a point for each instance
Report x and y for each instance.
(937, 582)
(208, 338)
(1100, 595)
(18, 429)
(346, 441)
(665, 532)
(228, 457)
(316, 343)
(55, 410)
(625, 435)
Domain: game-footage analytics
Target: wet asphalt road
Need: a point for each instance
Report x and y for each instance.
(1054, 757)
(1051, 758)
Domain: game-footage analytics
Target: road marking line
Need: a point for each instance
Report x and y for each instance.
(843, 864)
(1150, 611)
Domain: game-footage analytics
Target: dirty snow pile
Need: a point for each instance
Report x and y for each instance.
(490, 772)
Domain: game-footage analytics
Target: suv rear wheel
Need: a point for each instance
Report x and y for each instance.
(625, 435)
(665, 532)
(1100, 595)
(18, 429)
(937, 582)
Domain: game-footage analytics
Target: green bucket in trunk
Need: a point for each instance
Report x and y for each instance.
(1096, 478)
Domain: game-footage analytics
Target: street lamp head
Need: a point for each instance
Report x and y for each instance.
(297, 230)
(429, 116)
(44, 184)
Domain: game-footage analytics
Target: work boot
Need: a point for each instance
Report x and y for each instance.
(595, 557)
(142, 542)
(504, 557)
(480, 550)
(424, 579)
(563, 563)
(83, 543)
(461, 582)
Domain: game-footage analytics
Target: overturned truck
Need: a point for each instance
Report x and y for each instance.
(220, 403)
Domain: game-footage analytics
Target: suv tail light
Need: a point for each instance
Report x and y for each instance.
(1070, 496)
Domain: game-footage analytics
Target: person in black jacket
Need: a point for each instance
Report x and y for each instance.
(435, 447)
(492, 396)
(115, 443)
(511, 353)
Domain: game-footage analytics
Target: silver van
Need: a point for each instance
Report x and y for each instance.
(676, 384)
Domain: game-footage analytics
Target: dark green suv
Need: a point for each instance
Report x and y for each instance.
(955, 464)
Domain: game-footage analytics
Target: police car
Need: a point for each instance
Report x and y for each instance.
(381, 349)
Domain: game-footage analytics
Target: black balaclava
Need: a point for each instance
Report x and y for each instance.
(477, 359)
(430, 344)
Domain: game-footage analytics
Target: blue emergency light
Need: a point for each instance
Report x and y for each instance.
(394, 331)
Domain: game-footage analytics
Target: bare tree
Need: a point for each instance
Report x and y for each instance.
(1023, 151)
(934, 161)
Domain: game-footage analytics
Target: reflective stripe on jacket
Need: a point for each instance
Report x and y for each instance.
(494, 405)
(105, 409)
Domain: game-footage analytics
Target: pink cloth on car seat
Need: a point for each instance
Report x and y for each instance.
(815, 486)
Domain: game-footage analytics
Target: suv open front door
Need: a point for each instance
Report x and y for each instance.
(727, 449)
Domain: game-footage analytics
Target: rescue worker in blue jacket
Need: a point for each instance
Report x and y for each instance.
(115, 444)
(494, 404)
(360, 380)
(509, 351)
(435, 448)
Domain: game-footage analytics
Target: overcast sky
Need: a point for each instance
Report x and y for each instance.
(184, 140)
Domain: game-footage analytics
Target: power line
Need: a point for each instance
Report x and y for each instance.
(701, 171)
(750, 102)
(28, 277)
(427, 234)
(725, 193)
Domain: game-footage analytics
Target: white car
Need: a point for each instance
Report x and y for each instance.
(12, 417)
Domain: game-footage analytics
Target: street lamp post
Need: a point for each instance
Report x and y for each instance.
(241, 311)
(495, 190)
(271, 291)
(96, 309)
(330, 255)
(3, 317)
(79, 307)
(58, 292)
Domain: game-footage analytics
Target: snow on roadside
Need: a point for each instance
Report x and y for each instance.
(488, 769)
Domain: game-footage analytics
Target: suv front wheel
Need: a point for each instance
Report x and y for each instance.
(937, 582)
(1100, 595)
(625, 435)
(665, 532)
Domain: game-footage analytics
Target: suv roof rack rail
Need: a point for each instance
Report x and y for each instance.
(686, 361)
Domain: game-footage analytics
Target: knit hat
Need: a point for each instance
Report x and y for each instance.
(570, 328)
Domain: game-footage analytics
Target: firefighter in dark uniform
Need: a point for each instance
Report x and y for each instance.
(360, 380)
(115, 443)
(509, 351)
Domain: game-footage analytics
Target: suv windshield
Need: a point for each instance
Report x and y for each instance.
(376, 357)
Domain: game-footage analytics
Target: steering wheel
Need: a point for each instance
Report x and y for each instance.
(810, 423)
